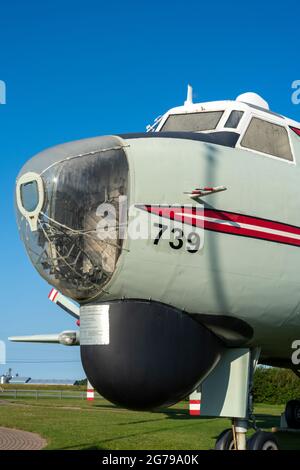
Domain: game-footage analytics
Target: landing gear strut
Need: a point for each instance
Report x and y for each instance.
(235, 438)
(227, 392)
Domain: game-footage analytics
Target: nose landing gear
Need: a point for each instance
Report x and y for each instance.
(227, 392)
(260, 440)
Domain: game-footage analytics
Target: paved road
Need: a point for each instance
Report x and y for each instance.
(13, 439)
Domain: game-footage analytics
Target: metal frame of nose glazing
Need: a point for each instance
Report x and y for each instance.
(30, 215)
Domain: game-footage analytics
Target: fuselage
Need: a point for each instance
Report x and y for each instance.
(238, 273)
(242, 282)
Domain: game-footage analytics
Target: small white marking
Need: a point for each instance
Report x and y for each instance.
(194, 407)
(94, 325)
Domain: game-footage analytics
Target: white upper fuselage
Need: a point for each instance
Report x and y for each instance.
(257, 108)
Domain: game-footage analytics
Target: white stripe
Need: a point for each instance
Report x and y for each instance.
(53, 293)
(241, 225)
(194, 407)
(90, 394)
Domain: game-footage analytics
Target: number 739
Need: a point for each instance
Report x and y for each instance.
(192, 239)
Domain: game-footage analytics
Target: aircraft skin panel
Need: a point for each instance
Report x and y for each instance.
(251, 279)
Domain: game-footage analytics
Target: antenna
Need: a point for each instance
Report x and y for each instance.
(189, 96)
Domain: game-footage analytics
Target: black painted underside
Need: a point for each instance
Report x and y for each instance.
(155, 357)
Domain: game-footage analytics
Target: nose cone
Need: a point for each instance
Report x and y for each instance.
(67, 201)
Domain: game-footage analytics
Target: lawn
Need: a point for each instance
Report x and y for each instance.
(76, 424)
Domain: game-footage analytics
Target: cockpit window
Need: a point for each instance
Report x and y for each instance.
(267, 137)
(29, 196)
(234, 119)
(192, 122)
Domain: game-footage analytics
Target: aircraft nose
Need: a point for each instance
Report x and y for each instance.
(63, 196)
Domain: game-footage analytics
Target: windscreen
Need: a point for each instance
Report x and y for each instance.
(192, 122)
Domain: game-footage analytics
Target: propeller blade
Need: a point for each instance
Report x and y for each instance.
(67, 338)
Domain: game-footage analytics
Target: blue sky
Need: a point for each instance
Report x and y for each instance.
(78, 69)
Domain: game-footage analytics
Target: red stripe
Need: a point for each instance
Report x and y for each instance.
(297, 131)
(232, 227)
(50, 293)
(251, 233)
(220, 215)
(246, 219)
(195, 412)
(195, 402)
(56, 294)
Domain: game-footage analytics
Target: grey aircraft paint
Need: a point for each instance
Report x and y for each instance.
(239, 287)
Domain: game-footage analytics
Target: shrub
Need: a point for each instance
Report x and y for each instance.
(275, 386)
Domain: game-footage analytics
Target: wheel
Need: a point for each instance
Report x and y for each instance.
(292, 414)
(262, 440)
(225, 440)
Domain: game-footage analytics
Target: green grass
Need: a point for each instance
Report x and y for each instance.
(74, 424)
(42, 387)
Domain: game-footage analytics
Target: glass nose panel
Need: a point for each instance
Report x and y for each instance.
(66, 248)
